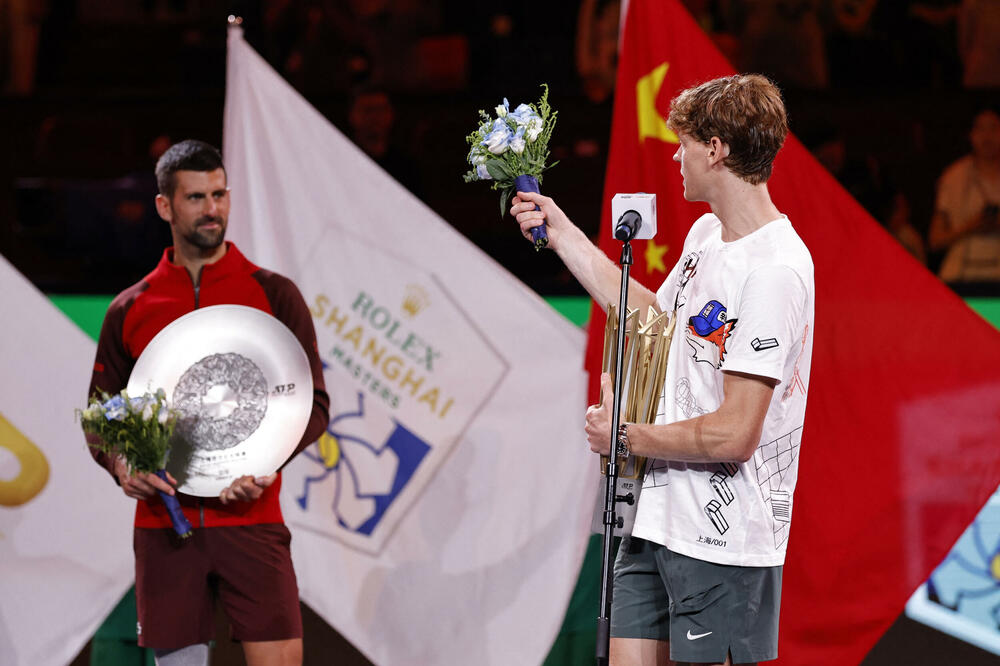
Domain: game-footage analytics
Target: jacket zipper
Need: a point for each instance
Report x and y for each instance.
(196, 283)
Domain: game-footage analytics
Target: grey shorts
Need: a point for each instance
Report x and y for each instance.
(705, 610)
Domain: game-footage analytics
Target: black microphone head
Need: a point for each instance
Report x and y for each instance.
(628, 225)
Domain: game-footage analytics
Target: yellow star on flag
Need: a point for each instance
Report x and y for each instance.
(654, 256)
(651, 123)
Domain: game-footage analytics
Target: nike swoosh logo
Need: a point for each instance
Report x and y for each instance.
(694, 637)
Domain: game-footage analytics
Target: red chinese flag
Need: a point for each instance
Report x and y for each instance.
(900, 447)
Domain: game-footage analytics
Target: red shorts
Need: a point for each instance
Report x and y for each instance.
(248, 567)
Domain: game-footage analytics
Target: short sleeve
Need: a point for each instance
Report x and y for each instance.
(944, 198)
(768, 322)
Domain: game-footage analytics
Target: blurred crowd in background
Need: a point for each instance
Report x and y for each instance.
(898, 99)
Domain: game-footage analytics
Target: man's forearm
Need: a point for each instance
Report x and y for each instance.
(729, 434)
(703, 439)
(598, 274)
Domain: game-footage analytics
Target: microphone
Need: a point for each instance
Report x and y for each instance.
(628, 225)
(635, 216)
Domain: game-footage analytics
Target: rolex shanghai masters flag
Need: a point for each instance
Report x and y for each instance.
(442, 517)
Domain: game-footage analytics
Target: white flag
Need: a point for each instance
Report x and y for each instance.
(443, 516)
(65, 528)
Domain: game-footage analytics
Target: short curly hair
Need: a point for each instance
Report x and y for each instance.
(745, 111)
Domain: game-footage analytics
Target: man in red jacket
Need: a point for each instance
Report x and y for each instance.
(239, 552)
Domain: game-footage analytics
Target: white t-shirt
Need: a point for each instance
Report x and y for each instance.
(962, 192)
(743, 306)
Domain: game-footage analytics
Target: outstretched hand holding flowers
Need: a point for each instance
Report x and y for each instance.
(511, 150)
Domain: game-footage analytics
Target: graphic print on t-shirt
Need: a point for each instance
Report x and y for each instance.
(772, 461)
(685, 399)
(796, 384)
(707, 333)
(656, 473)
(687, 272)
(723, 496)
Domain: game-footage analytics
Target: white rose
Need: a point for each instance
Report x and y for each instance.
(497, 140)
(534, 127)
(517, 143)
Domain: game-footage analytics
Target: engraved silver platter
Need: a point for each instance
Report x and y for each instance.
(242, 384)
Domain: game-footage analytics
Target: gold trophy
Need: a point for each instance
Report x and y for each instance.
(644, 362)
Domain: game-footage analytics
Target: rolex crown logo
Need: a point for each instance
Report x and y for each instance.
(415, 299)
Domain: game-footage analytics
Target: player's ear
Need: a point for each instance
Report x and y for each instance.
(717, 149)
(164, 209)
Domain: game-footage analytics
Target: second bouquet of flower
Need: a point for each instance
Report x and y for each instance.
(138, 430)
(511, 150)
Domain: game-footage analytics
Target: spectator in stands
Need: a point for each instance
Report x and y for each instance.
(858, 53)
(968, 200)
(332, 45)
(865, 179)
(783, 39)
(20, 26)
(718, 19)
(979, 43)
(597, 48)
(372, 117)
(929, 33)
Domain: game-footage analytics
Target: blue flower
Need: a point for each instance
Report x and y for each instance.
(482, 172)
(476, 157)
(517, 143)
(115, 402)
(527, 118)
(114, 409)
(499, 138)
(522, 113)
(503, 109)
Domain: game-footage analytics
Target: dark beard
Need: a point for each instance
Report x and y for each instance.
(204, 239)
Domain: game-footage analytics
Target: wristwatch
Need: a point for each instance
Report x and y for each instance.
(624, 448)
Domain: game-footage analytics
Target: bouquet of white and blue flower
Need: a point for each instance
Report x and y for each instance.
(512, 149)
(139, 431)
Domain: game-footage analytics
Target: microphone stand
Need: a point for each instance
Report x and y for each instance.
(611, 519)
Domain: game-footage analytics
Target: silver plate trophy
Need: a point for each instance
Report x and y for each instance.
(242, 384)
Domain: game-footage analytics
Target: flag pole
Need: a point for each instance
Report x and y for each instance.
(611, 519)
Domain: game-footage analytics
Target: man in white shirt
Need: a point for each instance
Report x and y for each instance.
(700, 577)
(966, 224)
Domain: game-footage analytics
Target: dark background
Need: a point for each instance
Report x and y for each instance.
(115, 82)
